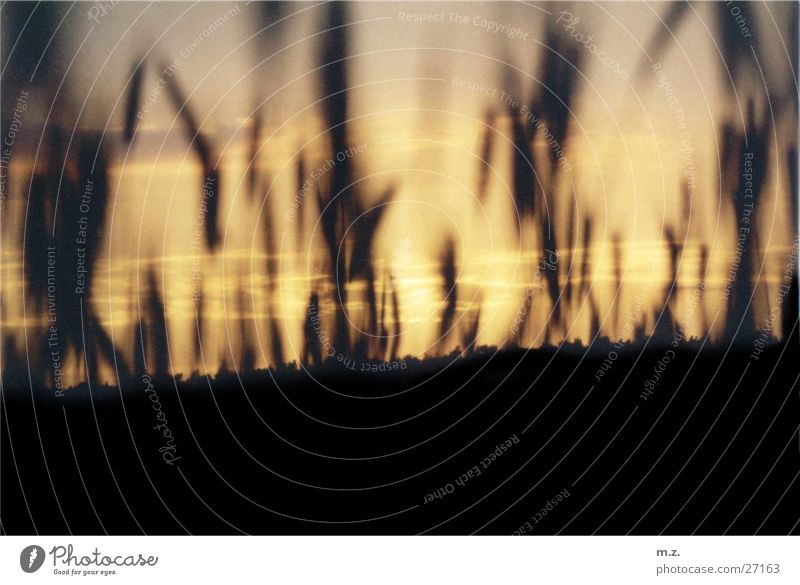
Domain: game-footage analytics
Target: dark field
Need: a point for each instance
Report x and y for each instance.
(713, 449)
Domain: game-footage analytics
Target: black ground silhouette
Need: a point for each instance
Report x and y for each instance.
(712, 449)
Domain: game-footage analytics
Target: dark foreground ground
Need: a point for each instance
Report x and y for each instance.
(713, 449)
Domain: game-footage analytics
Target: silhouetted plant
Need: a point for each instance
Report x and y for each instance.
(469, 337)
(254, 139)
(333, 59)
(616, 250)
(395, 344)
(158, 351)
(753, 143)
(134, 97)
(211, 176)
(666, 327)
(791, 305)
(485, 161)
(447, 272)
(587, 291)
(312, 351)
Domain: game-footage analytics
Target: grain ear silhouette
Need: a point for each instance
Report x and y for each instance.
(133, 101)
(211, 186)
(587, 290)
(398, 330)
(246, 360)
(572, 244)
(469, 337)
(254, 145)
(485, 161)
(199, 332)
(666, 325)
(312, 351)
(675, 13)
(300, 186)
(157, 340)
(616, 251)
(702, 277)
(751, 145)
(791, 307)
(523, 170)
(382, 341)
(447, 273)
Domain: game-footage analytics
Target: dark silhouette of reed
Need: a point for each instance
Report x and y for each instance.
(270, 12)
(37, 239)
(586, 289)
(342, 205)
(134, 97)
(382, 340)
(737, 54)
(536, 178)
(12, 371)
(254, 146)
(93, 169)
(525, 188)
(66, 218)
(312, 351)
(277, 342)
(736, 57)
(674, 14)
(141, 335)
(34, 61)
(365, 341)
(300, 178)
(791, 306)
(554, 97)
(332, 205)
(485, 161)
(616, 250)
(153, 334)
(365, 227)
(209, 198)
(447, 272)
(472, 322)
(702, 277)
(523, 169)
(270, 246)
(751, 144)
(199, 325)
(395, 343)
(572, 244)
(666, 327)
(247, 352)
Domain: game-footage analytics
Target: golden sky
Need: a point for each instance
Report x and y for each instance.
(418, 94)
